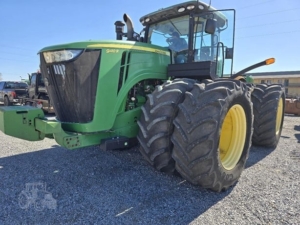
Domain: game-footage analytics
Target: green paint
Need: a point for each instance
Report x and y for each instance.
(110, 116)
(249, 79)
(19, 121)
(115, 111)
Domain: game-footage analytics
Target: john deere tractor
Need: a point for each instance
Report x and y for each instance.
(187, 110)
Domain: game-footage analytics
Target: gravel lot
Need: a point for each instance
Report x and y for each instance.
(118, 187)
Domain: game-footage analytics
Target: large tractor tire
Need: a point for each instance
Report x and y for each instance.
(156, 123)
(268, 109)
(24, 200)
(212, 134)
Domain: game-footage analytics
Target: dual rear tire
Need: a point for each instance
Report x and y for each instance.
(212, 135)
(156, 123)
(204, 131)
(268, 110)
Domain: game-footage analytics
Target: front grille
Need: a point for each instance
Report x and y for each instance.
(72, 86)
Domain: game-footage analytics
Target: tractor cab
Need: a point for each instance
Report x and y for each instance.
(199, 37)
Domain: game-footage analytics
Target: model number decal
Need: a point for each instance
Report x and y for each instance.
(112, 50)
(161, 52)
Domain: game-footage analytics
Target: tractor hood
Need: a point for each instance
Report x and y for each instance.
(105, 44)
(78, 74)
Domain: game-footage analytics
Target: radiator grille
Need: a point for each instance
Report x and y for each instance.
(72, 86)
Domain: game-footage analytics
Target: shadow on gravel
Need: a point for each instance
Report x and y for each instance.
(257, 154)
(297, 128)
(99, 187)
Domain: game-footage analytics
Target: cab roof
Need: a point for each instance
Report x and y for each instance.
(174, 11)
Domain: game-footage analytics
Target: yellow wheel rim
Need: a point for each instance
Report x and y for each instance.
(233, 136)
(279, 116)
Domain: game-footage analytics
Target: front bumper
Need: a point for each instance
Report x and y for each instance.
(29, 123)
(19, 121)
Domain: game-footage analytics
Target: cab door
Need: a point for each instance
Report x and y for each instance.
(32, 86)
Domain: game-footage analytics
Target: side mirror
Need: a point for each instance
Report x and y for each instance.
(210, 26)
(229, 53)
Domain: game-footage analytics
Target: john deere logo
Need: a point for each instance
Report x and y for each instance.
(295, 154)
(35, 195)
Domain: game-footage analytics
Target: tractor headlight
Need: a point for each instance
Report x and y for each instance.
(62, 55)
(190, 7)
(181, 9)
(201, 7)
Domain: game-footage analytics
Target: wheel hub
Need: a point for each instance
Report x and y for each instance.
(232, 138)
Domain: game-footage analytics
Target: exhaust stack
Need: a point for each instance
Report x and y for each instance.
(130, 29)
(119, 29)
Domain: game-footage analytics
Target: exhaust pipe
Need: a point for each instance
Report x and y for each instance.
(119, 29)
(130, 30)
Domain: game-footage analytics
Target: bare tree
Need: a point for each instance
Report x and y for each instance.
(0, 76)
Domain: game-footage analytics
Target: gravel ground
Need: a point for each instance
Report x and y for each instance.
(91, 186)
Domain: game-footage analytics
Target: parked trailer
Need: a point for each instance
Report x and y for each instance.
(292, 106)
(43, 104)
(37, 95)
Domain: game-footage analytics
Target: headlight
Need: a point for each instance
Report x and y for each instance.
(190, 7)
(201, 7)
(62, 55)
(181, 9)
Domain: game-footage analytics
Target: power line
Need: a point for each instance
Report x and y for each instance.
(295, 31)
(9, 46)
(256, 4)
(12, 53)
(286, 10)
(268, 24)
(16, 60)
(16, 74)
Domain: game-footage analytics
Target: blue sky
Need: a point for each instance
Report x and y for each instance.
(264, 29)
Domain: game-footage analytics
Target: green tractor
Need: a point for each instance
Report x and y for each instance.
(183, 105)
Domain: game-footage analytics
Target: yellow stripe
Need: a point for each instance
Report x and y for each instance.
(147, 49)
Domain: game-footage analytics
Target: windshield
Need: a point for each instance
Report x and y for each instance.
(15, 85)
(172, 33)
